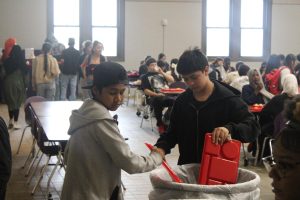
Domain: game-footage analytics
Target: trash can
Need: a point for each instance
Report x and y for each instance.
(163, 187)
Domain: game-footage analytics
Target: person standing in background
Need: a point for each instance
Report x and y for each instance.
(14, 80)
(44, 71)
(57, 49)
(87, 47)
(89, 64)
(70, 59)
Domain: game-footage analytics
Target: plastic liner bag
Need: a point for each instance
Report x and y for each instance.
(163, 187)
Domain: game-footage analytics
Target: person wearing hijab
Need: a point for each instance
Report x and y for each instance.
(14, 83)
(254, 92)
(9, 43)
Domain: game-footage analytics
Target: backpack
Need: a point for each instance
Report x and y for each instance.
(273, 80)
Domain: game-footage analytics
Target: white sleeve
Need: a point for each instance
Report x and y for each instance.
(283, 73)
(115, 145)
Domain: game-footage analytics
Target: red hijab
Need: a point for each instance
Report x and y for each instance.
(9, 43)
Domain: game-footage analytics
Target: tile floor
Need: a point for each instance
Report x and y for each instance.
(138, 186)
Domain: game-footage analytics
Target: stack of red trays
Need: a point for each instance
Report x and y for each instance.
(219, 163)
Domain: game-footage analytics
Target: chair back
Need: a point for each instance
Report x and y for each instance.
(27, 110)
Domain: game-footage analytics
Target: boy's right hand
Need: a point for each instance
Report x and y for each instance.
(160, 151)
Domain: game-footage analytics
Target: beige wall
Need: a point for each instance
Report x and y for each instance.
(144, 32)
(26, 20)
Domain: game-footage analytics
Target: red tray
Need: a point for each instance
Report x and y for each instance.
(172, 90)
(173, 175)
(256, 108)
(219, 163)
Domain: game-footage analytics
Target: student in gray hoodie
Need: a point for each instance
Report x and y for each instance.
(96, 151)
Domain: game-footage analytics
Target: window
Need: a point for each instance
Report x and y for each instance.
(101, 20)
(239, 29)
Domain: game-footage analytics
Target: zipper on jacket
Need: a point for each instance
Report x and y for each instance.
(197, 129)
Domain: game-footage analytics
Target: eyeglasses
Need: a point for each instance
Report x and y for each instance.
(282, 167)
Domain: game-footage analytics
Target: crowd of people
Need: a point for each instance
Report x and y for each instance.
(216, 100)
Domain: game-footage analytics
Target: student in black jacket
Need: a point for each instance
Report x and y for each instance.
(205, 107)
(5, 158)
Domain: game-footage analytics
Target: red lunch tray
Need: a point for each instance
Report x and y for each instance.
(173, 175)
(172, 90)
(256, 108)
(219, 163)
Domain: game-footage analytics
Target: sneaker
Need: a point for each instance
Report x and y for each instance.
(10, 124)
(161, 129)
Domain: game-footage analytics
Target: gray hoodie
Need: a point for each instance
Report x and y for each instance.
(96, 153)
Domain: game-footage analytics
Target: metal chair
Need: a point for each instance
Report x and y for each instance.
(146, 112)
(28, 115)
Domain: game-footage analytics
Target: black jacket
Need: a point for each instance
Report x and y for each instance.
(191, 120)
(5, 153)
(71, 61)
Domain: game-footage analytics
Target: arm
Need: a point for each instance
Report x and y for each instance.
(83, 66)
(168, 140)
(243, 125)
(54, 67)
(151, 93)
(168, 77)
(114, 144)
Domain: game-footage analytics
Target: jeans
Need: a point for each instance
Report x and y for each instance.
(46, 90)
(159, 103)
(57, 86)
(65, 81)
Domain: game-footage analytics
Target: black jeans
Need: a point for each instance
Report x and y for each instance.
(159, 103)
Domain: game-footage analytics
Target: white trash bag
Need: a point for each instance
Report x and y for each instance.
(163, 187)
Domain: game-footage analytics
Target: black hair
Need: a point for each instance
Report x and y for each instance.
(174, 61)
(282, 57)
(273, 63)
(16, 60)
(191, 60)
(71, 42)
(238, 64)
(290, 134)
(86, 44)
(161, 64)
(150, 61)
(290, 137)
(298, 57)
(226, 63)
(290, 60)
(46, 49)
(147, 57)
(263, 67)
(243, 69)
(109, 73)
(292, 109)
(217, 60)
(161, 55)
